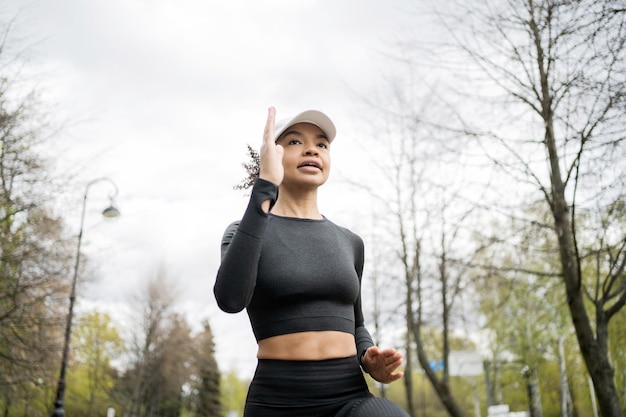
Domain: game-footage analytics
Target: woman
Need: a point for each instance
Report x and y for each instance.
(299, 277)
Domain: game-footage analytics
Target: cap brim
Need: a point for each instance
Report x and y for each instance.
(315, 117)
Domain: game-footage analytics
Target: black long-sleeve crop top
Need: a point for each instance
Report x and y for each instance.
(292, 275)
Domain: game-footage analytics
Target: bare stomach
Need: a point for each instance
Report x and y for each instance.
(307, 346)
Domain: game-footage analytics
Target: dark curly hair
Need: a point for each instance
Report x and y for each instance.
(252, 168)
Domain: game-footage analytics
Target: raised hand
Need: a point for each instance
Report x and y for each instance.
(271, 154)
(381, 364)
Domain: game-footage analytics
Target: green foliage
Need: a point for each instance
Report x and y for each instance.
(233, 393)
(618, 352)
(35, 257)
(433, 340)
(207, 376)
(171, 372)
(521, 301)
(91, 376)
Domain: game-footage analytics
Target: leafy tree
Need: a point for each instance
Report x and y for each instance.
(95, 343)
(233, 392)
(175, 366)
(162, 357)
(523, 315)
(207, 375)
(35, 258)
(154, 307)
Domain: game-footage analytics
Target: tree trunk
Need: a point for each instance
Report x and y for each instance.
(535, 404)
(408, 371)
(567, 410)
(594, 350)
(594, 347)
(442, 389)
(530, 373)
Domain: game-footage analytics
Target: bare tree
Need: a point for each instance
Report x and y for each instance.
(562, 68)
(175, 364)
(427, 231)
(155, 308)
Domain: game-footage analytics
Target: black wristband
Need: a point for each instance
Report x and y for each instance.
(361, 356)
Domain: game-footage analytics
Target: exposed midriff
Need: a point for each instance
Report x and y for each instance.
(316, 345)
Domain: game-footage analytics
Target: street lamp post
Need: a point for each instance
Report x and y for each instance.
(110, 211)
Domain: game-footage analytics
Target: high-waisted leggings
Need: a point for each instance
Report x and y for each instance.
(326, 388)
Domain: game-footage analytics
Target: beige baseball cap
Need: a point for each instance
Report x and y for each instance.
(315, 117)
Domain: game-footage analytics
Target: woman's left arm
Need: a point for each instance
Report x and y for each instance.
(380, 364)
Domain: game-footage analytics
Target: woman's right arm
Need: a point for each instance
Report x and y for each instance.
(241, 249)
(241, 246)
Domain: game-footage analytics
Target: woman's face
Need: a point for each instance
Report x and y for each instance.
(306, 159)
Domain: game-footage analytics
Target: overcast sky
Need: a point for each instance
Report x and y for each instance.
(163, 96)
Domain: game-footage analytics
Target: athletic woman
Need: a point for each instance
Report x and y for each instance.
(298, 275)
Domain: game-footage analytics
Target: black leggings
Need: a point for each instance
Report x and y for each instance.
(327, 388)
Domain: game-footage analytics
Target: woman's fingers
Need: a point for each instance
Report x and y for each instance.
(271, 154)
(268, 136)
(383, 363)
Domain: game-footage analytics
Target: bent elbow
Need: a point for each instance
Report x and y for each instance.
(229, 307)
(228, 304)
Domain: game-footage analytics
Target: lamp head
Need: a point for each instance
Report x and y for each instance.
(111, 211)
